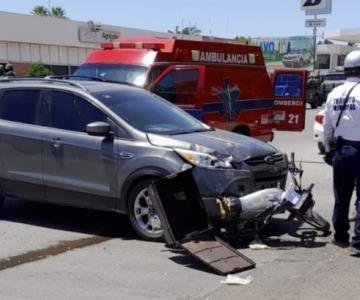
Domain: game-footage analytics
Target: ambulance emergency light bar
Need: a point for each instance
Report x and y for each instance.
(134, 45)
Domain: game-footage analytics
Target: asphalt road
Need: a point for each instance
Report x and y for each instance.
(51, 252)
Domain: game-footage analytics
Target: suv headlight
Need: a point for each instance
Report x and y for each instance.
(204, 159)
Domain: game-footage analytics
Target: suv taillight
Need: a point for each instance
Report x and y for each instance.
(319, 119)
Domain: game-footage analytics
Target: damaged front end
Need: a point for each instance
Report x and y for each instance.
(187, 220)
(196, 207)
(199, 204)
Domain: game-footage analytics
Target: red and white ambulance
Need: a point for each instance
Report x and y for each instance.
(226, 85)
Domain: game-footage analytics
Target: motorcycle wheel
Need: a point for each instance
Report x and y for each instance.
(315, 220)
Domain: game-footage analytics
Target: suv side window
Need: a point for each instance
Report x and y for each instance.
(179, 86)
(71, 112)
(20, 105)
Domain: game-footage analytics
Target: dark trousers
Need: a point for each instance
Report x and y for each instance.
(346, 171)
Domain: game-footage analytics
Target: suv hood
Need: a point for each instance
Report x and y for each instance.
(227, 143)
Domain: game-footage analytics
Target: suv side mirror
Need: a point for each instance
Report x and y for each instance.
(98, 129)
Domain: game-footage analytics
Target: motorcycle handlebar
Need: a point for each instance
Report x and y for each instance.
(310, 187)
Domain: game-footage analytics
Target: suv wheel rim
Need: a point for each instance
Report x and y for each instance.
(145, 214)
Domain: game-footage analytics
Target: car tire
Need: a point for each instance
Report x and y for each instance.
(1, 204)
(142, 214)
(313, 104)
(321, 147)
(317, 100)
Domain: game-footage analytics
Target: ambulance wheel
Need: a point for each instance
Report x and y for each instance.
(142, 214)
(244, 130)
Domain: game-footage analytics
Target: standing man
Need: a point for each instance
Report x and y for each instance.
(342, 121)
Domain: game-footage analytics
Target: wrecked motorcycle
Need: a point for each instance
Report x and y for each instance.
(195, 220)
(181, 197)
(251, 213)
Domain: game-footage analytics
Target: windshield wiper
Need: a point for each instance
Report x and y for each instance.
(191, 131)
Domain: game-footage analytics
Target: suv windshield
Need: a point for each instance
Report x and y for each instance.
(149, 113)
(135, 75)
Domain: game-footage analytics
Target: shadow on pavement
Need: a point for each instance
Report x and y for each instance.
(278, 227)
(191, 262)
(305, 234)
(68, 218)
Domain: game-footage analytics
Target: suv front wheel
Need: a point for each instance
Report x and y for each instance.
(142, 214)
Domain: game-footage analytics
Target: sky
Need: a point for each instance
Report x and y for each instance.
(221, 18)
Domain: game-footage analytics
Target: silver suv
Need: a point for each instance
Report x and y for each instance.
(99, 145)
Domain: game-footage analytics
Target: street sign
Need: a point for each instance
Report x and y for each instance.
(316, 7)
(315, 23)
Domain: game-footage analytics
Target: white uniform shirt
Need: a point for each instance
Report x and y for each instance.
(349, 125)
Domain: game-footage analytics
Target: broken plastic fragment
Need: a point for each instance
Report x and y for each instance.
(236, 280)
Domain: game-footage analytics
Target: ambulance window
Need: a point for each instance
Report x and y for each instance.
(153, 74)
(322, 61)
(288, 85)
(341, 60)
(179, 86)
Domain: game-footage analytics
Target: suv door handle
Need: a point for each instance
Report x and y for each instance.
(57, 142)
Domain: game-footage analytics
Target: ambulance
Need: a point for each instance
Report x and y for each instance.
(225, 85)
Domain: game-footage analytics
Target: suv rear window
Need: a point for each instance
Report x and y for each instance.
(20, 106)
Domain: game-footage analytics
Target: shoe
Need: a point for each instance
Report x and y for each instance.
(354, 251)
(353, 216)
(340, 244)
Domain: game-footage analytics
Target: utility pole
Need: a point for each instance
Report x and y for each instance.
(314, 37)
(315, 8)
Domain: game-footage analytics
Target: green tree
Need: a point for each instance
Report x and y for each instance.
(242, 40)
(40, 10)
(191, 30)
(37, 70)
(176, 31)
(58, 12)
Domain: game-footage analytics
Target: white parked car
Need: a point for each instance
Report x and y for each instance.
(319, 130)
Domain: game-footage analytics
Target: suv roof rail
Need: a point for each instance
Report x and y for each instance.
(48, 79)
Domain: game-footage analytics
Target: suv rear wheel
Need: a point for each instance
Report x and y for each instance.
(142, 214)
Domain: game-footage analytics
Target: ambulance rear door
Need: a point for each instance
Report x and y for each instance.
(289, 99)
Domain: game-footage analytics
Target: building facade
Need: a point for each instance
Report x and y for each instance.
(59, 44)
